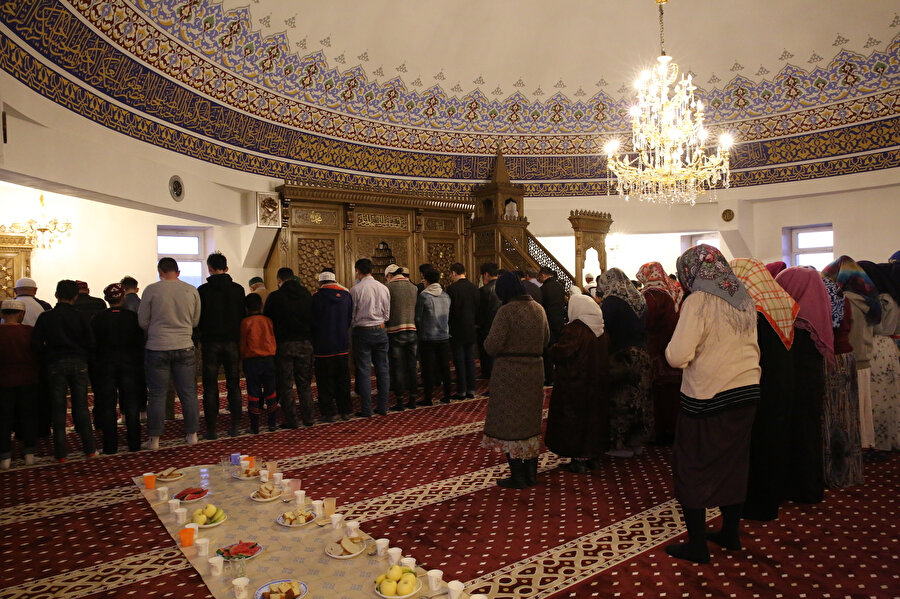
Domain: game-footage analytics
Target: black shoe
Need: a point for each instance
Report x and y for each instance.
(381, 412)
(518, 478)
(726, 541)
(593, 463)
(308, 423)
(576, 466)
(470, 396)
(362, 415)
(397, 408)
(531, 468)
(252, 431)
(689, 552)
(456, 397)
(345, 417)
(272, 428)
(411, 405)
(423, 402)
(211, 436)
(233, 430)
(548, 384)
(326, 419)
(445, 400)
(287, 426)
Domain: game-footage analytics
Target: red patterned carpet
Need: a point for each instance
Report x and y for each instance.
(82, 529)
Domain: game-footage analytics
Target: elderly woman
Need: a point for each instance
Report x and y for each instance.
(631, 412)
(578, 423)
(517, 340)
(663, 297)
(776, 312)
(715, 346)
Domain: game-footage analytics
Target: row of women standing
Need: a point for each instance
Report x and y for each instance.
(761, 373)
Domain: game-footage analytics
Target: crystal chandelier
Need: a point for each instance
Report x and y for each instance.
(42, 233)
(669, 161)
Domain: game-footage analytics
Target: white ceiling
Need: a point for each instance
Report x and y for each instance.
(564, 45)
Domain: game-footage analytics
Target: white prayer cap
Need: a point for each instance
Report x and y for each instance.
(25, 282)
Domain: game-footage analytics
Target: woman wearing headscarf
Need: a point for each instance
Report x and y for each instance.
(628, 381)
(866, 313)
(715, 346)
(893, 274)
(813, 347)
(842, 454)
(769, 444)
(775, 267)
(517, 340)
(662, 297)
(578, 422)
(885, 361)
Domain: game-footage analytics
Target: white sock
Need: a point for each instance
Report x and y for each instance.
(5, 463)
(191, 438)
(29, 459)
(151, 443)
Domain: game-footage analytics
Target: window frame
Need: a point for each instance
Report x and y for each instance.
(199, 233)
(790, 235)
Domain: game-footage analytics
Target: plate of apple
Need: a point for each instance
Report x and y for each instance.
(397, 583)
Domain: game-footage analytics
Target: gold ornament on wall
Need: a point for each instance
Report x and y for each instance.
(728, 215)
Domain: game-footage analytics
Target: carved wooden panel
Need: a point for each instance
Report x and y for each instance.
(366, 245)
(484, 241)
(374, 220)
(441, 254)
(314, 217)
(15, 262)
(434, 223)
(312, 256)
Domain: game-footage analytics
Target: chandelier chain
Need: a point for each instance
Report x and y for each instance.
(662, 35)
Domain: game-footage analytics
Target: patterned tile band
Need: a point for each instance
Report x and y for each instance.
(103, 67)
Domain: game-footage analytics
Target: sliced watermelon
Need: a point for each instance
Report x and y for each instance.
(184, 495)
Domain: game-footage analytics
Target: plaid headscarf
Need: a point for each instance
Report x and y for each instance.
(614, 282)
(806, 287)
(850, 277)
(771, 299)
(653, 276)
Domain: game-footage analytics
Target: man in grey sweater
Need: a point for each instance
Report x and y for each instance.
(169, 312)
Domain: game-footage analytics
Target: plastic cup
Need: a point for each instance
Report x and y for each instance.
(245, 464)
(195, 527)
(394, 555)
(336, 521)
(318, 509)
(300, 498)
(381, 546)
(149, 480)
(455, 589)
(216, 565)
(162, 493)
(352, 528)
(240, 587)
(278, 478)
(235, 459)
(263, 476)
(181, 515)
(174, 504)
(187, 536)
(408, 562)
(202, 547)
(330, 505)
(435, 579)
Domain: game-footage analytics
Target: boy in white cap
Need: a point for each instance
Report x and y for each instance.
(18, 383)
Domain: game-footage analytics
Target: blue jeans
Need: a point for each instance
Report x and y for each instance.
(72, 374)
(181, 365)
(464, 361)
(370, 346)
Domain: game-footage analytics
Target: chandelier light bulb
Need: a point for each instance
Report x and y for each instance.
(726, 141)
(611, 147)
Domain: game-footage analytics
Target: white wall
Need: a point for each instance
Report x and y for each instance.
(107, 242)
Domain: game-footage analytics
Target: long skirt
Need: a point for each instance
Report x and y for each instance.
(630, 406)
(711, 454)
(840, 424)
(866, 423)
(885, 393)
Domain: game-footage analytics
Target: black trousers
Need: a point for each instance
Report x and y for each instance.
(294, 366)
(435, 356)
(333, 382)
(115, 385)
(18, 410)
(227, 355)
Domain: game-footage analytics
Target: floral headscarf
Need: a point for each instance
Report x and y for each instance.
(837, 301)
(771, 299)
(614, 282)
(850, 277)
(704, 268)
(653, 276)
(806, 287)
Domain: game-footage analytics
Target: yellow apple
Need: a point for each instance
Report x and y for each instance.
(395, 573)
(388, 588)
(199, 519)
(210, 511)
(379, 579)
(406, 586)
